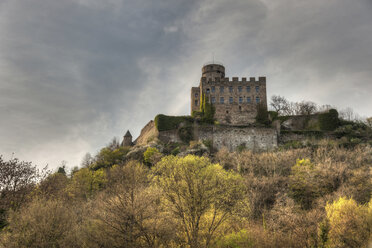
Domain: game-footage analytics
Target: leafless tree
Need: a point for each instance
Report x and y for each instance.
(279, 104)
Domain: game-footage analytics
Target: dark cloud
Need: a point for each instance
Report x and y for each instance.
(75, 73)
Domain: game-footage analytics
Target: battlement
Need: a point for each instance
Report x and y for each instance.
(235, 80)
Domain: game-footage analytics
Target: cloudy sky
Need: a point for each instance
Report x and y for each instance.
(76, 73)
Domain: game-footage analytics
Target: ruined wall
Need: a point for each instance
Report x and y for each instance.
(253, 138)
(148, 133)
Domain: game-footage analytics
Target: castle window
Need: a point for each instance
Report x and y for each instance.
(213, 89)
(213, 99)
(248, 88)
(257, 99)
(222, 100)
(257, 88)
(240, 88)
(196, 102)
(196, 94)
(248, 99)
(231, 100)
(221, 89)
(230, 89)
(240, 99)
(207, 91)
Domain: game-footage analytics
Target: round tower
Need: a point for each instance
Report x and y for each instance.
(213, 70)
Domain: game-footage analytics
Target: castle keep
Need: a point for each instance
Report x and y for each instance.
(235, 101)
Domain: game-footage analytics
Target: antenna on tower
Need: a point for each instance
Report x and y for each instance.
(213, 57)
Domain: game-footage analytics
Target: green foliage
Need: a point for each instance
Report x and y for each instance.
(186, 134)
(305, 183)
(61, 170)
(208, 143)
(151, 155)
(85, 182)
(329, 121)
(262, 116)
(273, 115)
(201, 195)
(164, 122)
(175, 151)
(241, 147)
(350, 223)
(207, 109)
(236, 240)
(108, 157)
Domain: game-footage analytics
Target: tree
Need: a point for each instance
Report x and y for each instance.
(279, 104)
(369, 122)
(43, 223)
(86, 182)
(127, 214)
(306, 108)
(151, 156)
(350, 223)
(199, 194)
(17, 179)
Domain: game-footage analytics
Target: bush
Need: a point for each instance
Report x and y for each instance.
(262, 116)
(185, 133)
(151, 155)
(350, 223)
(329, 121)
(164, 122)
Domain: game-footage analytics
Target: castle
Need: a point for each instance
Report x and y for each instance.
(236, 105)
(235, 101)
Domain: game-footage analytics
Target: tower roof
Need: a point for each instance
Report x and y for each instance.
(128, 134)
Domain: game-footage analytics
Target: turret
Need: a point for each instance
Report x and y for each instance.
(127, 140)
(212, 71)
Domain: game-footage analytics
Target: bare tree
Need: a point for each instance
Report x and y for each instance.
(306, 108)
(348, 114)
(279, 104)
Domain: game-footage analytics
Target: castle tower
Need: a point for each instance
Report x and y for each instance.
(235, 101)
(127, 141)
(212, 71)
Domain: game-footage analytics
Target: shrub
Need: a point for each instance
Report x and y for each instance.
(262, 116)
(349, 223)
(185, 133)
(164, 122)
(151, 155)
(329, 121)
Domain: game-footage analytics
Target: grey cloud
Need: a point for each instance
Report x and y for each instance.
(74, 73)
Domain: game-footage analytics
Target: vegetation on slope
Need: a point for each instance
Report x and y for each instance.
(308, 197)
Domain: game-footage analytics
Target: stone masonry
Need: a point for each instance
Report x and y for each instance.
(235, 100)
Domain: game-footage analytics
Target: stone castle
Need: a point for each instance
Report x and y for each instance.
(235, 101)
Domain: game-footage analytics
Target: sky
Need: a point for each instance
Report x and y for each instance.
(76, 73)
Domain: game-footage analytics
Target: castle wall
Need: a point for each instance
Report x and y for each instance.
(253, 138)
(240, 98)
(148, 133)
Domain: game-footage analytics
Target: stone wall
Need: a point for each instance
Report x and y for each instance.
(231, 137)
(253, 138)
(148, 133)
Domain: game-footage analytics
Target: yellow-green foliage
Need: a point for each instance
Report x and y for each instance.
(151, 155)
(306, 184)
(43, 223)
(236, 240)
(201, 195)
(108, 157)
(350, 223)
(86, 182)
